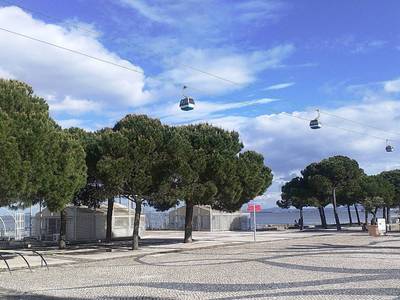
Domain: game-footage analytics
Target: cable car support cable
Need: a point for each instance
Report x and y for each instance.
(344, 129)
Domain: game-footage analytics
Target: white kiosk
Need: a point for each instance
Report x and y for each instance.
(381, 226)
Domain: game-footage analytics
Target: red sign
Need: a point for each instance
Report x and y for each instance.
(252, 207)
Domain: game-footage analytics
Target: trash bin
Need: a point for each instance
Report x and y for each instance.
(373, 230)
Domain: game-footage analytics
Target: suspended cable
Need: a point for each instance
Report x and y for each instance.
(71, 50)
(359, 123)
(94, 32)
(48, 16)
(341, 128)
(212, 75)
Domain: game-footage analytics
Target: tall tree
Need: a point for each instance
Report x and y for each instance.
(12, 175)
(238, 180)
(68, 176)
(26, 129)
(393, 177)
(212, 171)
(296, 193)
(133, 154)
(377, 193)
(108, 172)
(99, 187)
(319, 189)
(49, 163)
(350, 194)
(338, 171)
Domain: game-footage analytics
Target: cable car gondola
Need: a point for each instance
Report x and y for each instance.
(316, 124)
(389, 148)
(186, 102)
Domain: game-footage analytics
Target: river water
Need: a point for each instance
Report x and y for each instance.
(311, 216)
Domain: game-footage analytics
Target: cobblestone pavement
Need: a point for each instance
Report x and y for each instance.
(340, 266)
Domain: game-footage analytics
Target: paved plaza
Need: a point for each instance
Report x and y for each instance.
(328, 265)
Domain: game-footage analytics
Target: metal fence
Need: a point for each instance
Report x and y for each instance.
(220, 221)
(12, 224)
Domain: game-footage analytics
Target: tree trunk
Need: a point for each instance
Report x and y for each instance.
(384, 212)
(365, 216)
(349, 212)
(301, 220)
(188, 223)
(321, 216)
(373, 220)
(63, 229)
(358, 216)
(338, 226)
(388, 215)
(110, 209)
(324, 218)
(136, 224)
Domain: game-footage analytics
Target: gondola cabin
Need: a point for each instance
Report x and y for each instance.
(187, 104)
(315, 124)
(389, 148)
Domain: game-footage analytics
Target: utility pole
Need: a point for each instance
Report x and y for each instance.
(254, 221)
(40, 220)
(30, 221)
(211, 220)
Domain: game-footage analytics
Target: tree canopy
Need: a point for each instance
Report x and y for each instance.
(296, 193)
(377, 193)
(133, 153)
(212, 170)
(393, 177)
(39, 161)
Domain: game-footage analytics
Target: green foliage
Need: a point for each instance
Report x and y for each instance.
(38, 161)
(94, 192)
(377, 192)
(340, 170)
(25, 128)
(319, 187)
(337, 172)
(12, 178)
(350, 193)
(69, 171)
(211, 170)
(295, 193)
(393, 177)
(132, 154)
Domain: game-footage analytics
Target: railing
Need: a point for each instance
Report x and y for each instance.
(43, 262)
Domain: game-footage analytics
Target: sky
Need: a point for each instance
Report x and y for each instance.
(260, 67)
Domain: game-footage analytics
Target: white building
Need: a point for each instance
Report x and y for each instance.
(86, 224)
(12, 224)
(203, 216)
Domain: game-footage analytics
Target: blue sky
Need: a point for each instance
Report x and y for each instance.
(284, 56)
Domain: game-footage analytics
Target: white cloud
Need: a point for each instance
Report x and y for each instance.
(190, 12)
(56, 72)
(153, 13)
(6, 74)
(239, 68)
(67, 123)
(279, 86)
(254, 10)
(74, 106)
(392, 86)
